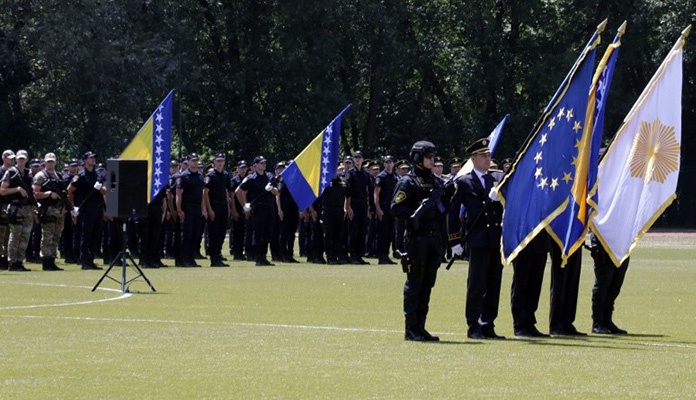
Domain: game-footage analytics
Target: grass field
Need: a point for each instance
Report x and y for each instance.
(310, 331)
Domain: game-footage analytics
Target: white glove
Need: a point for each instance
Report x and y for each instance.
(269, 187)
(457, 250)
(98, 185)
(493, 194)
(75, 212)
(247, 207)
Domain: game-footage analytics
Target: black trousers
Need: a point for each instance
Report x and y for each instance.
(608, 282)
(150, 230)
(565, 283)
(90, 226)
(190, 232)
(385, 234)
(262, 218)
(527, 279)
(483, 286)
(334, 240)
(288, 227)
(427, 253)
(217, 229)
(237, 236)
(358, 231)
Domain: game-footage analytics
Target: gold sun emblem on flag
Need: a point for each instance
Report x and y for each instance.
(655, 152)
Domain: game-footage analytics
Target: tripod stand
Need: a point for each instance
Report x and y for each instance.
(123, 258)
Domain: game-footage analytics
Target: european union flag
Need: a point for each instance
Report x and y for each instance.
(538, 187)
(153, 143)
(570, 227)
(315, 166)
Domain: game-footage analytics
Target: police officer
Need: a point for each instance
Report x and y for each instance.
(385, 182)
(86, 199)
(215, 197)
(170, 212)
(455, 164)
(333, 203)
(66, 238)
(191, 210)
(424, 244)
(257, 192)
(8, 161)
(608, 281)
(49, 191)
(358, 213)
(289, 215)
(172, 205)
(16, 183)
(239, 221)
(483, 227)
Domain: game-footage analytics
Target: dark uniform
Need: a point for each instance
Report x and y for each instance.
(66, 239)
(424, 244)
(565, 284)
(483, 225)
(386, 182)
(261, 202)
(238, 244)
(90, 207)
(333, 215)
(189, 185)
(528, 275)
(176, 225)
(608, 281)
(288, 226)
(359, 182)
(150, 230)
(217, 185)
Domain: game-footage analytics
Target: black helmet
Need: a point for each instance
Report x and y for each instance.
(419, 149)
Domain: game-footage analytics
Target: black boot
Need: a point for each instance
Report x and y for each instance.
(54, 267)
(17, 266)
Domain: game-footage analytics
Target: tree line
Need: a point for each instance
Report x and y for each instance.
(265, 76)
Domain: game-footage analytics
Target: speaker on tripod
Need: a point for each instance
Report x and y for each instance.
(126, 197)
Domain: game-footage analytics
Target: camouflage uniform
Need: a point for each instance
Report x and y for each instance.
(51, 216)
(20, 216)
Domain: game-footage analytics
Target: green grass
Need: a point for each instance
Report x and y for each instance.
(308, 331)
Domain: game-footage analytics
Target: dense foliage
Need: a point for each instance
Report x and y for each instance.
(266, 76)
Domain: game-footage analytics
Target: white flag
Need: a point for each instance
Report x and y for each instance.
(637, 177)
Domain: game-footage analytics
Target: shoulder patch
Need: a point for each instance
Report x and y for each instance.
(400, 196)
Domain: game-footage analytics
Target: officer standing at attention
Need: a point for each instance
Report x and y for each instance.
(237, 233)
(215, 197)
(8, 160)
(16, 184)
(359, 182)
(86, 197)
(289, 215)
(190, 209)
(424, 244)
(48, 188)
(257, 192)
(385, 182)
(66, 239)
(333, 202)
(483, 227)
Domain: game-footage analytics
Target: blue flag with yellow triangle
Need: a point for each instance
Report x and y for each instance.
(153, 143)
(312, 170)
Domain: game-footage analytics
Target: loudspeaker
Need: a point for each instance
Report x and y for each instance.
(126, 188)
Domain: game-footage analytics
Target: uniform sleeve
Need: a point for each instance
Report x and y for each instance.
(454, 225)
(402, 201)
(39, 179)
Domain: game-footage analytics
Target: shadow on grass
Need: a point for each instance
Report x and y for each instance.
(458, 342)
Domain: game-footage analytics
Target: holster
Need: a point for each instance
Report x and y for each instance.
(12, 210)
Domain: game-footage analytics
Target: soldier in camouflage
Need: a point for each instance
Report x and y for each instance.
(16, 184)
(49, 191)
